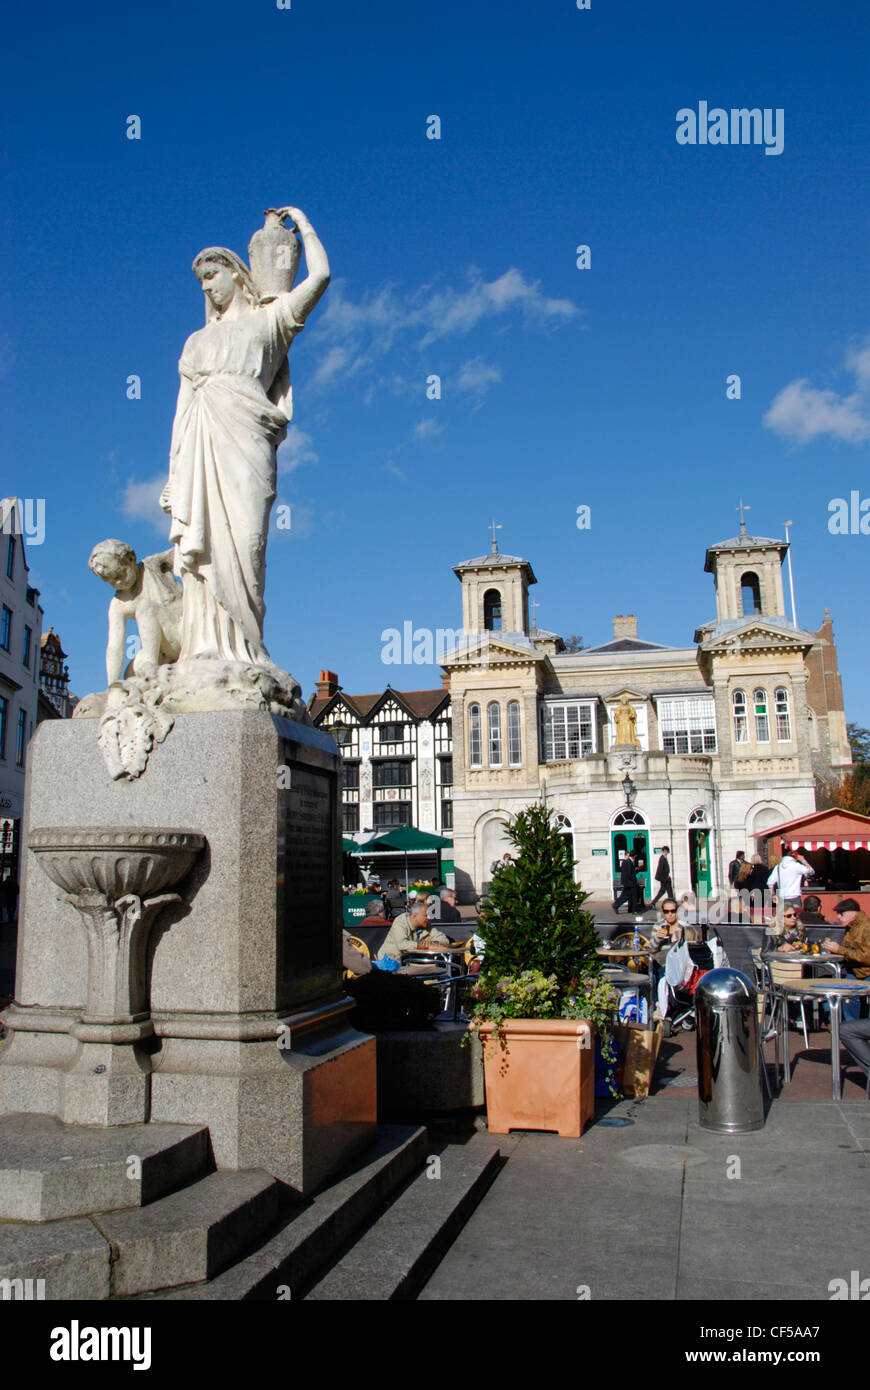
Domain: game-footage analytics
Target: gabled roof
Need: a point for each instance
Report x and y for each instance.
(495, 645)
(626, 644)
(419, 704)
(778, 627)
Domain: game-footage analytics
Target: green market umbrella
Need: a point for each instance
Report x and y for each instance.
(405, 839)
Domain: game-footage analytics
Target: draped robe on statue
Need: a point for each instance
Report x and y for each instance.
(222, 477)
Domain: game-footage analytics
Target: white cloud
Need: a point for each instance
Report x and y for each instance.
(396, 472)
(295, 450)
(357, 335)
(141, 502)
(427, 429)
(477, 376)
(801, 412)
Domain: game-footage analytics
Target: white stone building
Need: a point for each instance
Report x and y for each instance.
(726, 741)
(20, 637)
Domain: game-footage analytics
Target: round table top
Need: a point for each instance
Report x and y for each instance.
(829, 987)
(452, 950)
(800, 957)
(627, 950)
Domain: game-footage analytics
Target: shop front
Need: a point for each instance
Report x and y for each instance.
(837, 844)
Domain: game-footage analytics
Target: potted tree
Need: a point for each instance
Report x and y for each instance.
(540, 996)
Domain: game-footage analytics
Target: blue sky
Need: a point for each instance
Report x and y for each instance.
(560, 386)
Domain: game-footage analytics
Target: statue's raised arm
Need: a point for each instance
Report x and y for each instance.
(304, 297)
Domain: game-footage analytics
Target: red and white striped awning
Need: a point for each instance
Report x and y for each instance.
(827, 844)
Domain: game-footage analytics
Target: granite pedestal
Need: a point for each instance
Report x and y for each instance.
(243, 974)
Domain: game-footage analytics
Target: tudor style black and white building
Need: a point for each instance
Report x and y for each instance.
(397, 751)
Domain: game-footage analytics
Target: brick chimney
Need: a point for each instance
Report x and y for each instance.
(624, 626)
(328, 685)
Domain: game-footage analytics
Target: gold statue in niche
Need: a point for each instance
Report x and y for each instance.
(625, 724)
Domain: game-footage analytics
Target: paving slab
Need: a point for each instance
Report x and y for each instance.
(648, 1211)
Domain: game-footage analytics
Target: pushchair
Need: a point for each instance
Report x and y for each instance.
(686, 964)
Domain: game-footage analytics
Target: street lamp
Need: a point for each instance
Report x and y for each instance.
(628, 788)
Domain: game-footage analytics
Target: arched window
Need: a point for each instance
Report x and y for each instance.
(629, 817)
(493, 725)
(492, 610)
(783, 715)
(762, 723)
(566, 830)
(515, 734)
(699, 816)
(750, 592)
(475, 745)
(741, 724)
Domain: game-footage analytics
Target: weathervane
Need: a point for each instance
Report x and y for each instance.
(494, 528)
(741, 509)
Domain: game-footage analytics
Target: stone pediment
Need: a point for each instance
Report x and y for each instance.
(755, 636)
(628, 692)
(484, 650)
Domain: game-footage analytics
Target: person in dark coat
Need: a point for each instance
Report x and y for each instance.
(630, 888)
(663, 876)
(449, 911)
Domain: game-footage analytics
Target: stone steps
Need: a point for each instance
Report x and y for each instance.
(191, 1235)
(394, 1257)
(49, 1170)
(310, 1236)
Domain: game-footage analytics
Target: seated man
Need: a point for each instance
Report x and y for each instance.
(374, 914)
(352, 958)
(449, 911)
(855, 948)
(403, 933)
(855, 1037)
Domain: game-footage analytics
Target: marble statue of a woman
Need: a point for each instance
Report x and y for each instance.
(234, 405)
(232, 413)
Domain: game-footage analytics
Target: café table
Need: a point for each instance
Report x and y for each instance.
(630, 953)
(835, 991)
(783, 988)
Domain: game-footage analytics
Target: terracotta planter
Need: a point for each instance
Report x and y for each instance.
(541, 1076)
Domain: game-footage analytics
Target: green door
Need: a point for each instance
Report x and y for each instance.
(700, 847)
(621, 842)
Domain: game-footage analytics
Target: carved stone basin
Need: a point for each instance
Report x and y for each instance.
(114, 861)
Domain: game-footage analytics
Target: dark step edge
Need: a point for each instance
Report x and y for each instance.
(294, 1257)
(407, 1283)
(251, 1228)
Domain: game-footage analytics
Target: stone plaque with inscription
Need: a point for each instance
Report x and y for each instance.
(307, 845)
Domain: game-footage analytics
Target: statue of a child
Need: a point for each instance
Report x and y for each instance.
(147, 593)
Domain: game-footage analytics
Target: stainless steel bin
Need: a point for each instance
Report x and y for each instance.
(729, 1076)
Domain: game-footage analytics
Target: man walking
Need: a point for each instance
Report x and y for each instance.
(630, 889)
(734, 867)
(663, 876)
